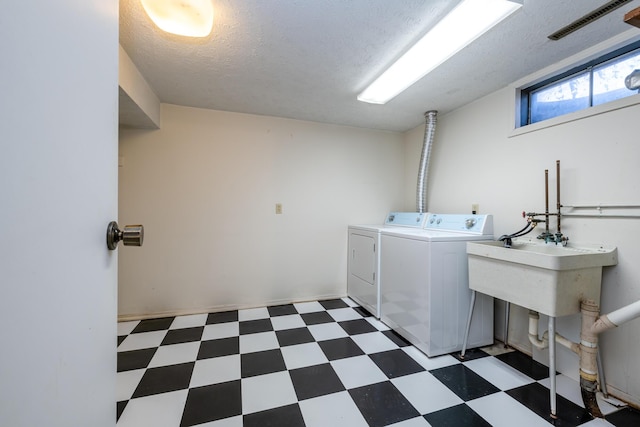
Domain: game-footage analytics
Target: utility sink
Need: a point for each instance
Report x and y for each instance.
(547, 278)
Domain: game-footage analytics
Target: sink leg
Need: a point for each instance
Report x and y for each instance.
(466, 331)
(552, 365)
(507, 309)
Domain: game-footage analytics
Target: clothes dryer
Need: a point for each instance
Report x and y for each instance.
(424, 294)
(363, 266)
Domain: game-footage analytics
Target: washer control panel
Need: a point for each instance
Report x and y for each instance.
(474, 224)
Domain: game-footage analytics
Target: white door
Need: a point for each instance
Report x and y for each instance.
(58, 191)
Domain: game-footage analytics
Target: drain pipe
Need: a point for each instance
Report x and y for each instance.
(587, 349)
(423, 171)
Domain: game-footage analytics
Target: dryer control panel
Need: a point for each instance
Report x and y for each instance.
(406, 219)
(471, 224)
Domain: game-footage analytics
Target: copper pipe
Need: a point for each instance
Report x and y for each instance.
(546, 201)
(558, 192)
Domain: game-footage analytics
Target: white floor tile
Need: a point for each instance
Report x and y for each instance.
(142, 340)
(425, 392)
(190, 321)
(220, 330)
(291, 321)
(498, 373)
(227, 422)
(175, 353)
(598, 422)
(253, 314)
(350, 302)
(302, 355)
(125, 328)
(258, 342)
(413, 422)
(358, 371)
(308, 307)
(374, 342)
(377, 324)
(267, 391)
(570, 389)
(215, 370)
(159, 410)
(337, 409)
(501, 410)
(430, 363)
(342, 314)
(327, 331)
(126, 383)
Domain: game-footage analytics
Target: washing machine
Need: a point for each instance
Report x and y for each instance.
(363, 265)
(424, 294)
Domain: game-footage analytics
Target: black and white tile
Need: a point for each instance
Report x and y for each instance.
(325, 363)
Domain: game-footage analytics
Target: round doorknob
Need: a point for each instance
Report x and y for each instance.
(132, 235)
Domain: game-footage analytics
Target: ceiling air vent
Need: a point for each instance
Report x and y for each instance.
(588, 18)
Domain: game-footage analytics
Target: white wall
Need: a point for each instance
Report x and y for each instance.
(474, 161)
(205, 187)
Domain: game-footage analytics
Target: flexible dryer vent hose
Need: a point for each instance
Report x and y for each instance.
(423, 170)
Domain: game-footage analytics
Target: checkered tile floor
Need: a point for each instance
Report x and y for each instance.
(324, 364)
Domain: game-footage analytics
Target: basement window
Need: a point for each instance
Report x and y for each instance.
(594, 83)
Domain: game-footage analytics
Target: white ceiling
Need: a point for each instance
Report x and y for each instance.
(309, 59)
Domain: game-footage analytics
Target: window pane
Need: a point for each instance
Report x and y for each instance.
(560, 98)
(608, 79)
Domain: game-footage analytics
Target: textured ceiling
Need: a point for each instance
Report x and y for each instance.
(309, 59)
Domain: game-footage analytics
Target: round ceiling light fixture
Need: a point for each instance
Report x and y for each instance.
(191, 18)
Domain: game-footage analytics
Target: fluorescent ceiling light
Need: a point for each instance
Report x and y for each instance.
(465, 23)
(191, 18)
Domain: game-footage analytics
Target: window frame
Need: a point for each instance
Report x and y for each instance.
(583, 67)
(515, 127)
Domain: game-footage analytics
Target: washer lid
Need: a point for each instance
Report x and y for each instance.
(433, 236)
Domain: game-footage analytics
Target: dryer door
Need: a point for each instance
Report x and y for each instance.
(362, 283)
(362, 261)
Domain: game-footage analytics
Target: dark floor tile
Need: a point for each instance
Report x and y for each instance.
(282, 310)
(382, 404)
(340, 348)
(220, 347)
(457, 416)
(396, 338)
(471, 354)
(536, 397)
(396, 363)
(316, 318)
(255, 326)
(358, 326)
(150, 325)
(362, 311)
(222, 317)
(261, 362)
(284, 416)
(464, 382)
(314, 381)
(120, 408)
(294, 336)
(135, 359)
(626, 417)
(164, 379)
(525, 364)
(179, 336)
(211, 403)
(121, 338)
(330, 304)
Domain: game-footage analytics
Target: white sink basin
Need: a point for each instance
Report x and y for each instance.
(547, 278)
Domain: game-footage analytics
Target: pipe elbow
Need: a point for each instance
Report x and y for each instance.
(602, 324)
